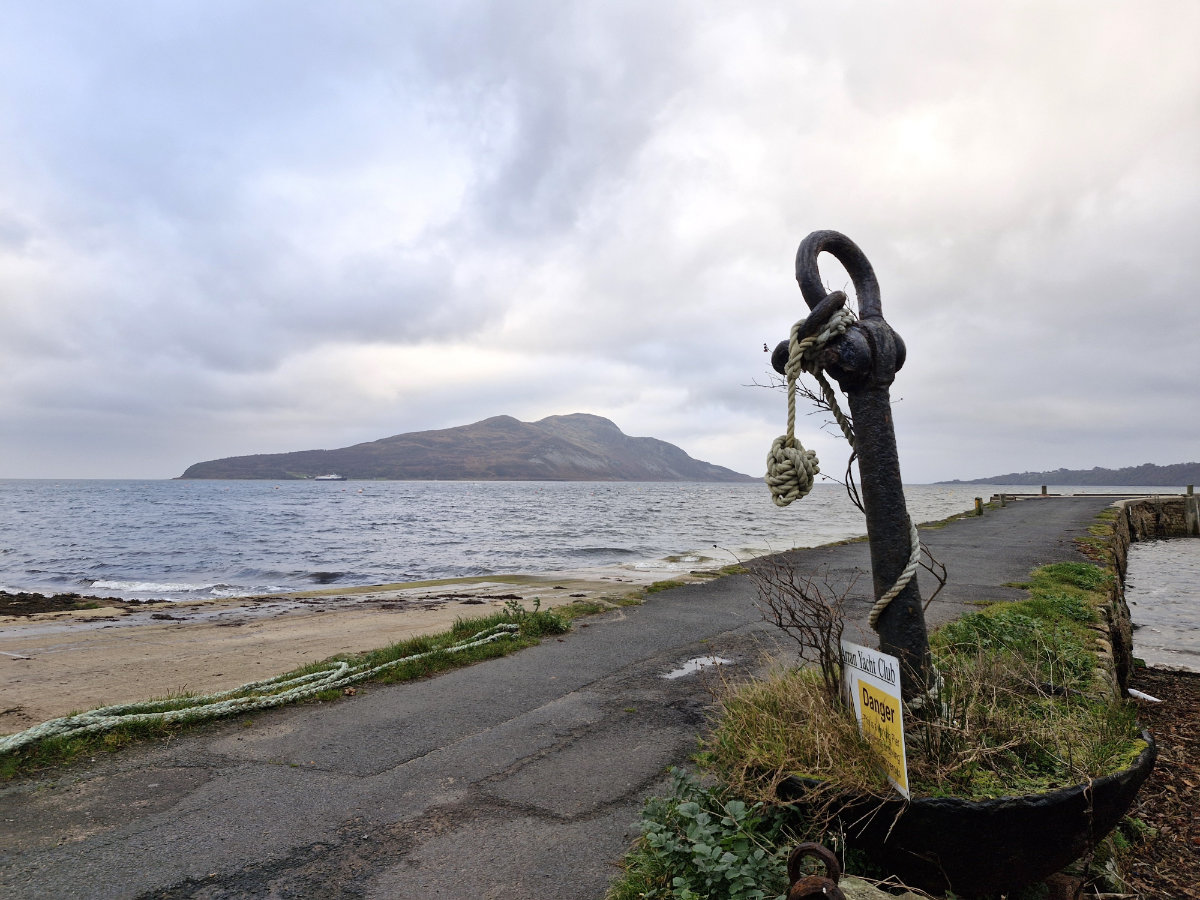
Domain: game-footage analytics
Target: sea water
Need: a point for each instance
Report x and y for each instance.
(1162, 587)
(206, 539)
(192, 539)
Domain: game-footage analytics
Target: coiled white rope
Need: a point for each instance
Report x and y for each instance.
(791, 470)
(253, 696)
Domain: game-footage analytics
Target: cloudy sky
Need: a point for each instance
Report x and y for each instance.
(234, 227)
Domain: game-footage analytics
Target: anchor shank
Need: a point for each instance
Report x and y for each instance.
(901, 627)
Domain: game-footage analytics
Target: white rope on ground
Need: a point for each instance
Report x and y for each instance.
(791, 470)
(256, 695)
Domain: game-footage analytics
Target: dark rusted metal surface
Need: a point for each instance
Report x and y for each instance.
(864, 362)
(811, 850)
(802, 885)
(984, 846)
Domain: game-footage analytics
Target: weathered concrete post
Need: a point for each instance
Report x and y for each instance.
(864, 362)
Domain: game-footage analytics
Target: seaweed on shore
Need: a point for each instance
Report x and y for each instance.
(23, 603)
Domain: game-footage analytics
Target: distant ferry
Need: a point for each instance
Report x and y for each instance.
(330, 478)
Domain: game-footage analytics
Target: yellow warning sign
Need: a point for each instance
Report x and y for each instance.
(883, 726)
(871, 682)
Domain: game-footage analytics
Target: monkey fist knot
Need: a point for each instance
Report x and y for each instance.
(790, 470)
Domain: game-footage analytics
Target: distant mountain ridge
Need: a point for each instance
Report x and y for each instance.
(1146, 474)
(575, 447)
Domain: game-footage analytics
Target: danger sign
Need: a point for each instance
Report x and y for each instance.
(872, 682)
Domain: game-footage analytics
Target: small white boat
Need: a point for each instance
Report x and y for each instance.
(330, 477)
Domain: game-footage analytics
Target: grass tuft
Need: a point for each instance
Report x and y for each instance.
(658, 586)
(770, 729)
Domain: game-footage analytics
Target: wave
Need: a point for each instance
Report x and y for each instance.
(599, 551)
(219, 589)
(325, 577)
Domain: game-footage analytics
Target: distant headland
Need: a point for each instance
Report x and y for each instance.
(576, 447)
(1147, 475)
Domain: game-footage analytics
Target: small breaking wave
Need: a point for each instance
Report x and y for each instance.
(599, 551)
(167, 590)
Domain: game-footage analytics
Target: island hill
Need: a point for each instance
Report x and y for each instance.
(577, 447)
(1145, 475)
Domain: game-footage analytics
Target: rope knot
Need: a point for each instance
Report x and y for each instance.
(791, 470)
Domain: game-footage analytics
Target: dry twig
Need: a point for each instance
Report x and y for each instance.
(809, 612)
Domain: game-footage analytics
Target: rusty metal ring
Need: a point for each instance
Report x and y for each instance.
(833, 868)
(808, 274)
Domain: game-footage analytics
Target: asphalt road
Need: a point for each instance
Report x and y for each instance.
(516, 778)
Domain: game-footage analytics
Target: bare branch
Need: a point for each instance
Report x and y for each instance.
(935, 568)
(809, 612)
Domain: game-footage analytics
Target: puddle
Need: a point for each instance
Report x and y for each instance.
(695, 665)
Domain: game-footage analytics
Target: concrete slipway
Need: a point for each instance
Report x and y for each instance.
(519, 777)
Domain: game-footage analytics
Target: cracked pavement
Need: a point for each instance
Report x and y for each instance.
(518, 777)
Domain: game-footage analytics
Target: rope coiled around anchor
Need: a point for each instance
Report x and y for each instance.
(914, 560)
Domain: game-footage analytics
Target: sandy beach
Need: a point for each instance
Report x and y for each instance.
(56, 663)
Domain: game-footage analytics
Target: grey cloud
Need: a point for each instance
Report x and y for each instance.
(579, 85)
(198, 200)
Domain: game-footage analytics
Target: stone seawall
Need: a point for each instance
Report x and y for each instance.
(1139, 519)
(1163, 517)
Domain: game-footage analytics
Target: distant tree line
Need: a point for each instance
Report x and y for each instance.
(1146, 475)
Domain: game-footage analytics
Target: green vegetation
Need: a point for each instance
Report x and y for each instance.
(1022, 708)
(732, 569)
(783, 725)
(1123, 845)
(1024, 675)
(1098, 544)
(580, 608)
(700, 843)
(662, 586)
(533, 625)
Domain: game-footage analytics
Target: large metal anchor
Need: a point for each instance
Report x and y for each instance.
(864, 361)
